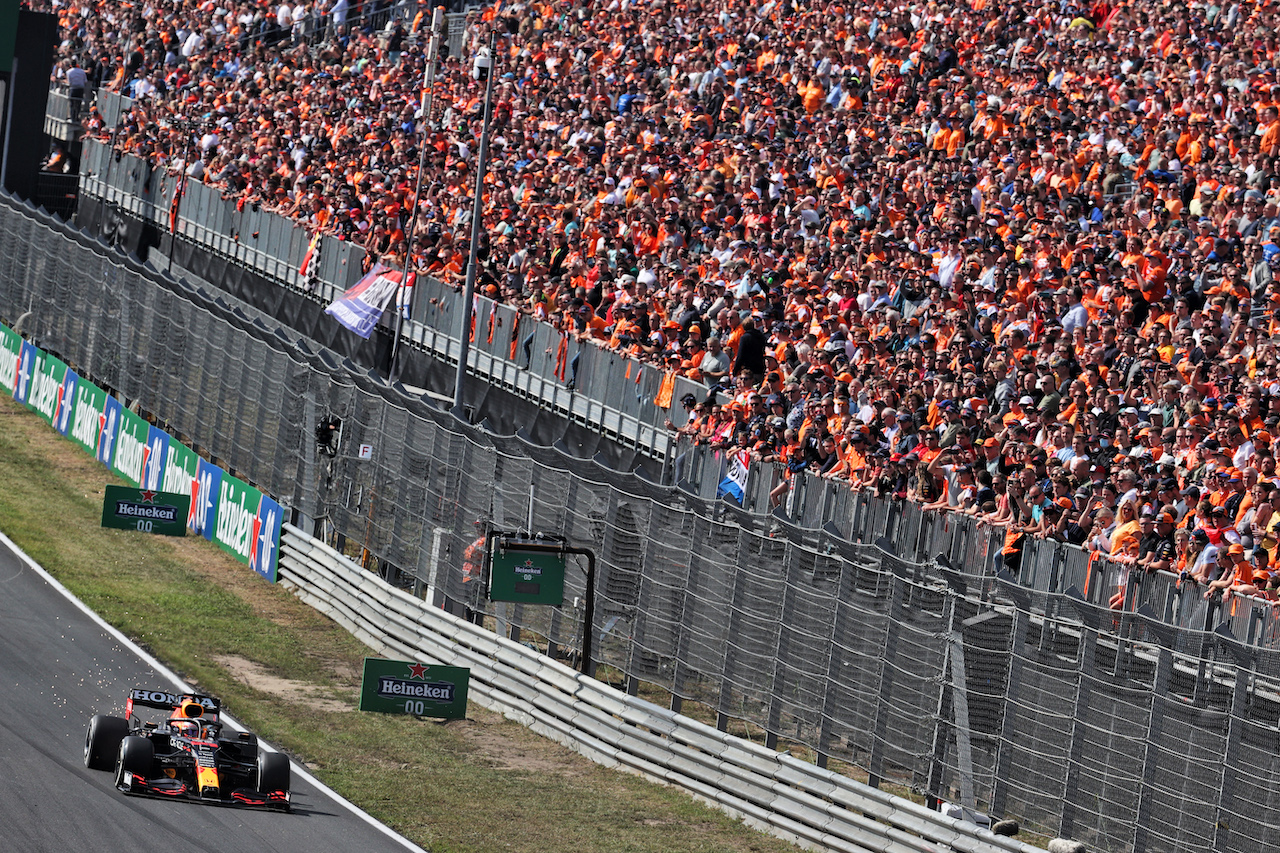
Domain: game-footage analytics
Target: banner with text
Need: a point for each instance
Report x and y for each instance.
(232, 514)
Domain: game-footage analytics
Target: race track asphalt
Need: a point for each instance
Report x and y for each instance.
(58, 667)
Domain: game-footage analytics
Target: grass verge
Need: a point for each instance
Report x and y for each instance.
(475, 785)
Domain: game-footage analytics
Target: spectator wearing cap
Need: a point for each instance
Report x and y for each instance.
(1157, 550)
(1237, 576)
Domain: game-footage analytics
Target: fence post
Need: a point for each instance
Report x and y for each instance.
(1160, 685)
(691, 587)
(1017, 653)
(1227, 794)
(778, 684)
(1080, 706)
(735, 607)
(888, 667)
(642, 594)
(846, 592)
(953, 670)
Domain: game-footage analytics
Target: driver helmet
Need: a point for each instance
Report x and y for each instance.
(185, 728)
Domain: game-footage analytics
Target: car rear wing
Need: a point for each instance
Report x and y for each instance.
(165, 700)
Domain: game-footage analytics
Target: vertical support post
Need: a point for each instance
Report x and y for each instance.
(1228, 794)
(692, 580)
(1155, 722)
(647, 567)
(428, 98)
(1017, 654)
(885, 688)
(732, 631)
(846, 591)
(477, 214)
(778, 684)
(1080, 706)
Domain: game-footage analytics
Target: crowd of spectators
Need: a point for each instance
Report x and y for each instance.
(1006, 259)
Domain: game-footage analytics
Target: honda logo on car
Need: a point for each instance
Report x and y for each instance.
(393, 688)
(164, 698)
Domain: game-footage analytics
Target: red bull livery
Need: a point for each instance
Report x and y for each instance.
(186, 755)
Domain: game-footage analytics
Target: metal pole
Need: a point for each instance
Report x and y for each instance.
(186, 129)
(428, 95)
(468, 293)
(111, 146)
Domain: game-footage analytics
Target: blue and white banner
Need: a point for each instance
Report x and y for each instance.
(360, 307)
(734, 483)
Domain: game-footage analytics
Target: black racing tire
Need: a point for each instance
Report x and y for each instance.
(102, 741)
(273, 772)
(137, 755)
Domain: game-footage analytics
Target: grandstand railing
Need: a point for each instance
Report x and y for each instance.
(589, 384)
(1047, 566)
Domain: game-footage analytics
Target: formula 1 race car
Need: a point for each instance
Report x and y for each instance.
(185, 756)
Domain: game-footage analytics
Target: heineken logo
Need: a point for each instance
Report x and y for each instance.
(401, 688)
(144, 510)
(408, 687)
(125, 509)
(528, 570)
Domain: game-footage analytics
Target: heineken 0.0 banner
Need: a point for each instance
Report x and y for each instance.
(404, 687)
(88, 405)
(165, 513)
(526, 577)
(131, 452)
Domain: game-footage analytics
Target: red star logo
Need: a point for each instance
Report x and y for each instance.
(418, 670)
(147, 496)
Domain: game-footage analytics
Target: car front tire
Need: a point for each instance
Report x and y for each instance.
(273, 772)
(136, 756)
(102, 740)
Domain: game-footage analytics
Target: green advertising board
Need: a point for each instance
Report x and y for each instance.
(46, 386)
(131, 441)
(165, 513)
(526, 576)
(89, 405)
(180, 466)
(404, 687)
(10, 351)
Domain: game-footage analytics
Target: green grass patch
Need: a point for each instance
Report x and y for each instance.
(465, 786)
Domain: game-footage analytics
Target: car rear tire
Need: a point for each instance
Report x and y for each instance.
(102, 741)
(136, 756)
(273, 772)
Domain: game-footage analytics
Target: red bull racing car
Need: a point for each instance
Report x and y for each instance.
(186, 755)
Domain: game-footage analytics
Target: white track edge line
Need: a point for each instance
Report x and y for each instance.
(177, 681)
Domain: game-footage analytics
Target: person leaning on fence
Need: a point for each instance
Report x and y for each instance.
(1237, 574)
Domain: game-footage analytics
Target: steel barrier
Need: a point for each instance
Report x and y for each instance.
(769, 790)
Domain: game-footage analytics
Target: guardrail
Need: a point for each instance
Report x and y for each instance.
(771, 791)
